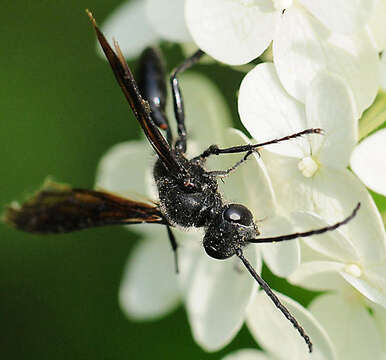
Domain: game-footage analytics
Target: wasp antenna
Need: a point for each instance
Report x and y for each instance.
(308, 233)
(319, 131)
(275, 299)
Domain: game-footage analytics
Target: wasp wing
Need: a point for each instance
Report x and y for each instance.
(140, 106)
(59, 209)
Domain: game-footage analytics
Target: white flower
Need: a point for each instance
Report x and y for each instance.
(309, 173)
(278, 338)
(310, 37)
(141, 23)
(368, 161)
(335, 257)
(216, 293)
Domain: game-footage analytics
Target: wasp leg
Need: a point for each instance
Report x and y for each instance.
(249, 149)
(308, 233)
(174, 245)
(177, 97)
(215, 150)
(225, 173)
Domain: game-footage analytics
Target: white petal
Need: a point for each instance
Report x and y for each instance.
(345, 16)
(330, 106)
(380, 320)
(129, 25)
(349, 325)
(167, 18)
(367, 232)
(318, 275)
(371, 284)
(247, 354)
(234, 32)
(149, 287)
(115, 171)
(377, 25)
(205, 108)
(332, 244)
(268, 112)
(218, 295)
(267, 324)
(292, 189)
(282, 258)
(368, 161)
(303, 47)
(190, 252)
(249, 184)
(338, 191)
(332, 194)
(310, 255)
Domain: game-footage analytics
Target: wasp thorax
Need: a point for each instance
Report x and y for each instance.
(230, 230)
(190, 203)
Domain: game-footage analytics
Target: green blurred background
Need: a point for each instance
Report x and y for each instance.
(60, 110)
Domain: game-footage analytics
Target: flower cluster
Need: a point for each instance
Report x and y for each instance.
(326, 72)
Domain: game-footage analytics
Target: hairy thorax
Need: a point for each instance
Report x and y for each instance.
(182, 206)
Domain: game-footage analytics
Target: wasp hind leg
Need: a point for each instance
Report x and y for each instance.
(177, 97)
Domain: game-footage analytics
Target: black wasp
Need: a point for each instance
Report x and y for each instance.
(188, 194)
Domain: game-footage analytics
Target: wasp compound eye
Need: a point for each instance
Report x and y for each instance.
(238, 214)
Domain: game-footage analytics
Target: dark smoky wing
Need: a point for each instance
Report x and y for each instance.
(61, 209)
(139, 106)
